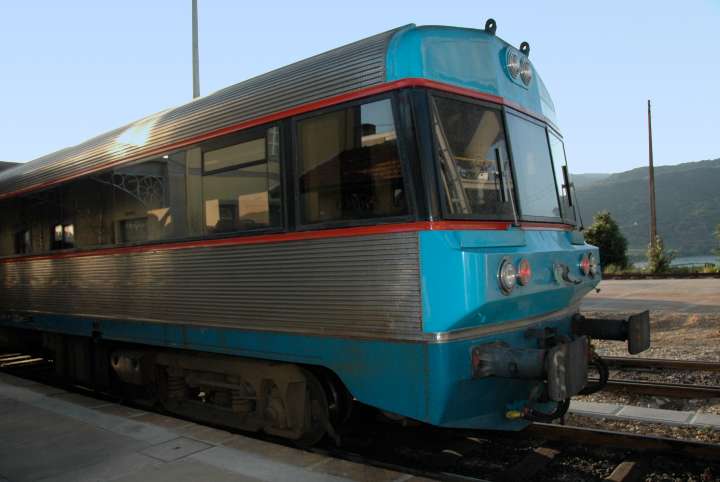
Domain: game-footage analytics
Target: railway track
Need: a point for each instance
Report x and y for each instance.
(541, 452)
(661, 364)
(661, 389)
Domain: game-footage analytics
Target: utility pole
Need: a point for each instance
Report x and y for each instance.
(651, 178)
(195, 59)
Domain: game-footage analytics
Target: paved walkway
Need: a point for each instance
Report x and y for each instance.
(655, 415)
(49, 435)
(679, 295)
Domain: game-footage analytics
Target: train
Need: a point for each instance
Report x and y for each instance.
(391, 223)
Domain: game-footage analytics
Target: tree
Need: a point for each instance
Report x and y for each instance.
(605, 234)
(717, 235)
(658, 259)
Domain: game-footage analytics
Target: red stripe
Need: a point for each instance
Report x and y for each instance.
(275, 238)
(296, 236)
(320, 104)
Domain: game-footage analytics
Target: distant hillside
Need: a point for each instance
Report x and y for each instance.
(584, 180)
(688, 204)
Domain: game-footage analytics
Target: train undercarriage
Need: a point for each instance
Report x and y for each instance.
(299, 403)
(304, 403)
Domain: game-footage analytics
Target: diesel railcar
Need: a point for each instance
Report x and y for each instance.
(391, 222)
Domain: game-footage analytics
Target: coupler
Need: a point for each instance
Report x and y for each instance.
(635, 330)
(563, 366)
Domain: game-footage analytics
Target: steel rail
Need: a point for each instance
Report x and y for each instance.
(623, 440)
(660, 389)
(661, 363)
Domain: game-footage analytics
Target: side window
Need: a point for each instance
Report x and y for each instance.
(557, 150)
(241, 184)
(349, 166)
(148, 199)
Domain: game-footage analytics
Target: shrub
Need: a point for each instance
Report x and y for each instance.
(605, 234)
(658, 258)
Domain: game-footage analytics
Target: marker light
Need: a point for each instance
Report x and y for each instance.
(525, 71)
(585, 264)
(513, 63)
(524, 272)
(507, 276)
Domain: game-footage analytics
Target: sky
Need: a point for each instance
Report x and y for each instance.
(71, 70)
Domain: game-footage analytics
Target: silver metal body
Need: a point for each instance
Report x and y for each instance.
(365, 286)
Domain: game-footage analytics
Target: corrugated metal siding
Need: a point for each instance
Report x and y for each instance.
(366, 286)
(345, 69)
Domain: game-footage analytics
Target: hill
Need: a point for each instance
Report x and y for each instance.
(584, 180)
(688, 204)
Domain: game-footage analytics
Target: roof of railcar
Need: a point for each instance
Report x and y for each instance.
(399, 53)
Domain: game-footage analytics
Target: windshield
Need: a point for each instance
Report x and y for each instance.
(475, 172)
(533, 169)
(470, 143)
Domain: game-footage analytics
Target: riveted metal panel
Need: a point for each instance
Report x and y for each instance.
(344, 69)
(366, 286)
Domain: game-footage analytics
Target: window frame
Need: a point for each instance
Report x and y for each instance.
(444, 208)
(550, 130)
(235, 138)
(402, 154)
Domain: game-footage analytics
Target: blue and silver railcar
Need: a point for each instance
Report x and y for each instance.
(390, 222)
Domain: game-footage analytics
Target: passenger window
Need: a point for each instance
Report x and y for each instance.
(149, 199)
(63, 236)
(241, 185)
(349, 166)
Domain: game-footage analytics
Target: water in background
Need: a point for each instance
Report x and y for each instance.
(686, 261)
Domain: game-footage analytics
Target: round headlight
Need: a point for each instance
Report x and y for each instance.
(513, 63)
(524, 272)
(525, 71)
(585, 264)
(507, 276)
(594, 265)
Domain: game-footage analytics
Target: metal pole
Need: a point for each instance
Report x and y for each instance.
(195, 57)
(651, 177)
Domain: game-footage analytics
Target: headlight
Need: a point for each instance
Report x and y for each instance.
(594, 265)
(585, 264)
(513, 63)
(524, 272)
(507, 276)
(525, 71)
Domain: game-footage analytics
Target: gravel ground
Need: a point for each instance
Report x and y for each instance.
(674, 336)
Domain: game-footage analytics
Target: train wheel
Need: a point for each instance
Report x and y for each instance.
(317, 412)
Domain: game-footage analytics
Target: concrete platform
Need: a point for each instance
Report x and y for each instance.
(49, 434)
(652, 415)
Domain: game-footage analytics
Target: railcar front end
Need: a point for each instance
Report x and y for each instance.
(391, 222)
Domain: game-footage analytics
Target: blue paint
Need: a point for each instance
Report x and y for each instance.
(467, 58)
(459, 278)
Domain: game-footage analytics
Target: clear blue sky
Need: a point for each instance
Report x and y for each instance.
(73, 69)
